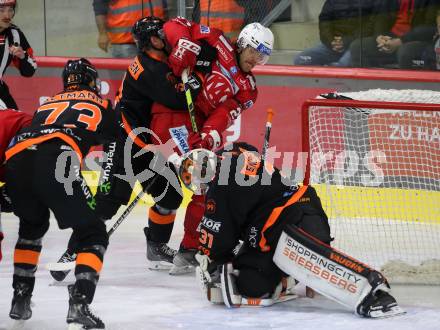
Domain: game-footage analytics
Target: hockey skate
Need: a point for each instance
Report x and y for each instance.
(159, 255)
(79, 315)
(379, 304)
(65, 258)
(184, 261)
(21, 303)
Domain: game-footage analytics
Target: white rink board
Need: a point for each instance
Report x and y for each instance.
(130, 297)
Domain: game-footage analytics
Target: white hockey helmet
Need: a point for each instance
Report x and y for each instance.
(11, 3)
(197, 169)
(258, 37)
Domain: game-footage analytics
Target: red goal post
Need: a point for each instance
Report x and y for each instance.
(376, 167)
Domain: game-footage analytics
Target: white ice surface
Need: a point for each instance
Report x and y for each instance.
(129, 296)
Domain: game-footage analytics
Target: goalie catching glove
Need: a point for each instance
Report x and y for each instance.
(183, 56)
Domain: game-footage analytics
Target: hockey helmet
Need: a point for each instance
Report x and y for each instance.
(259, 38)
(11, 3)
(145, 28)
(197, 169)
(80, 72)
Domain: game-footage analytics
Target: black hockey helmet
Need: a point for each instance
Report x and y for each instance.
(145, 28)
(80, 72)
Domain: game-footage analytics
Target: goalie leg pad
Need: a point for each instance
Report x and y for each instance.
(334, 274)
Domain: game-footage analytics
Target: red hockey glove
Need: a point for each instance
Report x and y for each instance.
(183, 56)
(209, 141)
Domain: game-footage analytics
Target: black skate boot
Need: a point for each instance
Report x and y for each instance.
(79, 315)
(159, 255)
(184, 261)
(21, 302)
(379, 304)
(68, 256)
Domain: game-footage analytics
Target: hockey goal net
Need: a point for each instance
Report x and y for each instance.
(375, 163)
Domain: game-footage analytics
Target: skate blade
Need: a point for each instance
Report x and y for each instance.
(159, 265)
(179, 270)
(75, 326)
(394, 311)
(63, 283)
(60, 267)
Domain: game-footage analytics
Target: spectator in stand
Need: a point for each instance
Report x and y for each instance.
(115, 18)
(339, 24)
(225, 15)
(402, 29)
(14, 48)
(431, 55)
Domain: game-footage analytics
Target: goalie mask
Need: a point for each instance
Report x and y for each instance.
(197, 169)
(80, 72)
(144, 29)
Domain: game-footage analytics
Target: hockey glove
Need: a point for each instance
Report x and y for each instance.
(5, 201)
(183, 56)
(209, 141)
(208, 276)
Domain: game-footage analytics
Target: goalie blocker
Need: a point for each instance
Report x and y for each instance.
(334, 274)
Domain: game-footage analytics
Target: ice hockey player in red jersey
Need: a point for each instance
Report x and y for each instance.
(43, 173)
(228, 88)
(285, 232)
(11, 121)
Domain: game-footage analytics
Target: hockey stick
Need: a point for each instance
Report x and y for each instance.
(270, 114)
(58, 266)
(189, 101)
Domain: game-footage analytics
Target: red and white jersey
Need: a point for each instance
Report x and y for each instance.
(227, 90)
(11, 121)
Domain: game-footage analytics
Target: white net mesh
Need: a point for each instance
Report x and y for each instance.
(377, 172)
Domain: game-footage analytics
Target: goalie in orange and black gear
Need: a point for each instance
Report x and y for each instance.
(43, 173)
(248, 199)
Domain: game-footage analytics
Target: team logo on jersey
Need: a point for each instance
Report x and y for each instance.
(135, 68)
(180, 137)
(248, 104)
(210, 206)
(204, 29)
(211, 224)
(234, 70)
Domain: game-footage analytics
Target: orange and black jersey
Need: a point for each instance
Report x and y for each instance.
(148, 80)
(248, 202)
(80, 118)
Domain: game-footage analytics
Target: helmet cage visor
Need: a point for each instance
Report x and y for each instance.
(197, 170)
